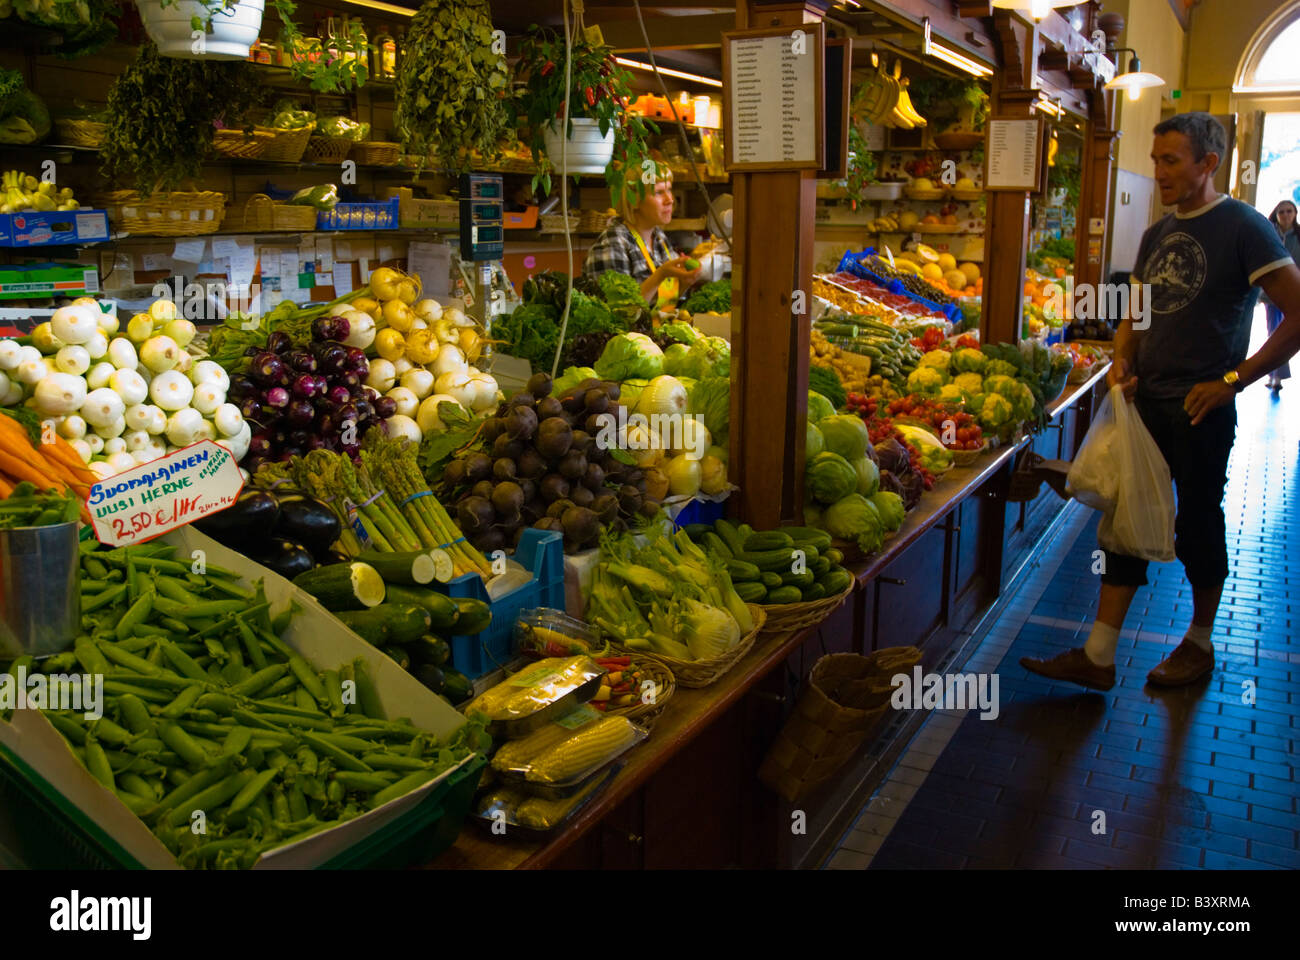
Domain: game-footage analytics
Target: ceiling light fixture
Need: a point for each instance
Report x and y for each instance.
(1038, 9)
(384, 7)
(1045, 104)
(951, 57)
(669, 72)
(1134, 79)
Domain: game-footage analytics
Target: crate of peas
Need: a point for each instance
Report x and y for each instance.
(235, 728)
(27, 506)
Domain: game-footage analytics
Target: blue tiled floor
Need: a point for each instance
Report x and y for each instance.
(1183, 778)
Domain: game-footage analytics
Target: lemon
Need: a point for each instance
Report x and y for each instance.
(971, 270)
(947, 262)
(931, 271)
(927, 254)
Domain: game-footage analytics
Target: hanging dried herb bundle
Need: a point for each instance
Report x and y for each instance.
(162, 113)
(451, 86)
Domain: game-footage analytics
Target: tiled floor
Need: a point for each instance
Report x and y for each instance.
(1136, 777)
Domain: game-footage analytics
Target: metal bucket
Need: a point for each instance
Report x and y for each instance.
(40, 602)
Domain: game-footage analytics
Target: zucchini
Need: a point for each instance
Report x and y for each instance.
(741, 571)
(814, 592)
(443, 611)
(804, 535)
(745, 530)
(343, 586)
(836, 581)
(751, 591)
(391, 622)
(771, 540)
(731, 537)
(429, 649)
(456, 686)
(414, 567)
(800, 580)
(775, 560)
(770, 579)
(474, 616)
(784, 595)
(714, 544)
(431, 676)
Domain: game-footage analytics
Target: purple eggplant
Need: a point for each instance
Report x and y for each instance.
(288, 453)
(304, 387)
(339, 394)
(252, 351)
(346, 413)
(385, 407)
(317, 443)
(277, 397)
(299, 439)
(351, 381)
(302, 361)
(240, 387)
(250, 407)
(267, 368)
(278, 342)
(259, 444)
(330, 328)
(325, 422)
(365, 410)
(333, 359)
(351, 449)
(252, 463)
(300, 413)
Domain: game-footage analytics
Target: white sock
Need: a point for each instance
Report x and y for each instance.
(1101, 643)
(1201, 637)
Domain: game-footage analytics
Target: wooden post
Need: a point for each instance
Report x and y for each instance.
(774, 219)
(1090, 264)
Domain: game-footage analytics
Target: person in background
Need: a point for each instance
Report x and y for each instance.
(1283, 220)
(1182, 367)
(635, 243)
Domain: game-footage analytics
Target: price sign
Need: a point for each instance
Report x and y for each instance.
(161, 495)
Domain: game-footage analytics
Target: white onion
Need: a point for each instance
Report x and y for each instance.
(238, 444)
(121, 352)
(382, 375)
(207, 397)
(11, 392)
(427, 416)
(121, 462)
(161, 311)
(27, 353)
(428, 310)
(228, 419)
(99, 375)
(403, 426)
(418, 380)
(82, 448)
(457, 317)
(171, 390)
(96, 346)
(183, 426)
(157, 420)
(407, 401)
(108, 323)
(129, 385)
(401, 365)
(75, 324)
(32, 372)
(58, 394)
(206, 431)
(209, 371)
(450, 359)
(72, 359)
(485, 390)
(138, 440)
(180, 330)
(138, 416)
(144, 455)
(455, 383)
(114, 445)
(95, 442)
(102, 469)
(113, 429)
(139, 328)
(145, 372)
(9, 355)
(160, 354)
(184, 363)
(71, 427)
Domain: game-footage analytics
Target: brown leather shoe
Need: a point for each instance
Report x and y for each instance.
(1074, 666)
(1187, 664)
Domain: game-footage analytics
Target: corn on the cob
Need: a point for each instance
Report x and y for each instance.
(517, 754)
(542, 684)
(587, 749)
(542, 814)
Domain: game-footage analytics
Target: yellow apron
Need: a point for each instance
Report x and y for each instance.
(669, 289)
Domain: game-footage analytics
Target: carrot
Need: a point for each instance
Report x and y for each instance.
(10, 426)
(63, 451)
(6, 488)
(15, 467)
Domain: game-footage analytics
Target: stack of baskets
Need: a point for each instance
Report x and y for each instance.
(260, 214)
(556, 222)
(175, 214)
(843, 700)
(593, 221)
(240, 145)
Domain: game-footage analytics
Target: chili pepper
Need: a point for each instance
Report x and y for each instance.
(548, 67)
(591, 96)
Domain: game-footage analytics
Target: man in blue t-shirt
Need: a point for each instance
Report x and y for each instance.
(1202, 267)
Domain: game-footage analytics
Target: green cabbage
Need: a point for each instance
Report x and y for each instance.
(708, 357)
(678, 330)
(819, 408)
(830, 477)
(572, 376)
(868, 475)
(968, 360)
(629, 391)
(890, 507)
(814, 444)
(854, 517)
(711, 399)
(846, 435)
(675, 358)
(630, 356)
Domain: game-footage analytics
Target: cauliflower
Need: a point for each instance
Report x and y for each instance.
(998, 384)
(1001, 368)
(968, 384)
(996, 411)
(1023, 402)
(926, 380)
(939, 359)
(968, 360)
(952, 393)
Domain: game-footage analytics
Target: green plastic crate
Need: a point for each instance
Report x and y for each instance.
(54, 835)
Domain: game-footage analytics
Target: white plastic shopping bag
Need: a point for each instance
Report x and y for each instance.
(1120, 471)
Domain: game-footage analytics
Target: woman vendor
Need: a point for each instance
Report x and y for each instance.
(634, 243)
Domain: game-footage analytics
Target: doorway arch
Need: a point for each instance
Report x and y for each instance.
(1271, 61)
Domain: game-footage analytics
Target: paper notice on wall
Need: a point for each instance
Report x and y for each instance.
(325, 279)
(307, 250)
(270, 262)
(343, 250)
(224, 248)
(342, 279)
(325, 257)
(289, 269)
(431, 262)
(190, 251)
(155, 261)
(299, 295)
(243, 262)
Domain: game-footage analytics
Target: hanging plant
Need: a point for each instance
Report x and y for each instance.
(599, 89)
(332, 71)
(451, 87)
(85, 25)
(950, 103)
(162, 113)
(862, 167)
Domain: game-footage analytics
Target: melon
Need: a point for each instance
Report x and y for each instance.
(955, 279)
(947, 262)
(926, 253)
(908, 219)
(931, 271)
(971, 270)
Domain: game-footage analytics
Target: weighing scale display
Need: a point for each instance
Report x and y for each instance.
(482, 234)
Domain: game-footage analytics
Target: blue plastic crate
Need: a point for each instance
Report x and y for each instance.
(852, 263)
(542, 553)
(700, 511)
(35, 228)
(359, 216)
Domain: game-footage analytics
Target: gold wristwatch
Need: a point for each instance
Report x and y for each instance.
(1233, 380)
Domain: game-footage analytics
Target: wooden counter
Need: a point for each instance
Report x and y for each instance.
(691, 712)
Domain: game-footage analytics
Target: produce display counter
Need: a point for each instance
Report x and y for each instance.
(699, 727)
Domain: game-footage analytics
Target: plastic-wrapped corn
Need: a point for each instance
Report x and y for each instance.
(586, 749)
(536, 688)
(517, 754)
(542, 814)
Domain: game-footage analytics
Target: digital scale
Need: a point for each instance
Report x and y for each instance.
(482, 242)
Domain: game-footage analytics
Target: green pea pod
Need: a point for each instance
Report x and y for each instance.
(237, 741)
(88, 655)
(367, 693)
(184, 700)
(307, 677)
(182, 662)
(97, 763)
(183, 744)
(251, 644)
(365, 782)
(340, 756)
(251, 791)
(402, 787)
(260, 680)
(211, 799)
(136, 715)
(334, 691)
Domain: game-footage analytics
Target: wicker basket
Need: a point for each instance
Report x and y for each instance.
(175, 214)
(328, 149)
(288, 145)
(240, 145)
(593, 221)
(259, 213)
(554, 222)
(80, 133)
(843, 700)
(789, 617)
(964, 458)
(701, 673)
(646, 714)
(377, 153)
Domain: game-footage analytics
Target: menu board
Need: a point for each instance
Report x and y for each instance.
(1014, 154)
(774, 114)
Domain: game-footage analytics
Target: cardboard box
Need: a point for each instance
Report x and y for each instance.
(323, 642)
(34, 228)
(47, 280)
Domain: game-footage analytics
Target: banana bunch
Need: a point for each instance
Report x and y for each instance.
(904, 115)
(20, 191)
(885, 224)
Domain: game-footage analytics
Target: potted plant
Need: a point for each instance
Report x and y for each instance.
(202, 29)
(451, 86)
(957, 109)
(602, 134)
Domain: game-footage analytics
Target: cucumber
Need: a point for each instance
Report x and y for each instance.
(414, 567)
(751, 591)
(343, 586)
(814, 592)
(820, 567)
(770, 579)
(714, 544)
(836, 581)
(392, 622)
(731, 537)
(833, 555)
(784, 595)
(429, 649)
(770, 540)
(442, 608)
(775, 560)
(802, 535)
(474, 616)
(697, 530)
(741, 571)
(745, 530)
(800, 580)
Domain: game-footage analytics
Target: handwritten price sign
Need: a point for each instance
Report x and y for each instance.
(156, 497)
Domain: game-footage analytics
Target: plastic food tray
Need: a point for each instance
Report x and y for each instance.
(607, 774)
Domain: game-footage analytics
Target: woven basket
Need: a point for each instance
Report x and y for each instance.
(700, 673)
(593, 221)
(259, 213)
(554, 222)
(789, 617)
(240, 145)
(964, 458)
(288, 145)
(328, 149)
(175, 214)
(646, 714)
(377, 153)
(80, 133)
(843, 700)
